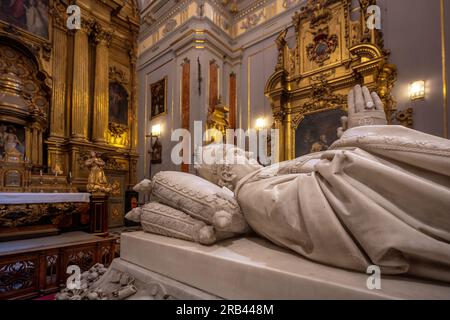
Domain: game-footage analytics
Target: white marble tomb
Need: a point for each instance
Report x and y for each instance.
(252, 268)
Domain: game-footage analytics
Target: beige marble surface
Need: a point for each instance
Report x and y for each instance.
(31, 198)
(65, 239)
(253, 268)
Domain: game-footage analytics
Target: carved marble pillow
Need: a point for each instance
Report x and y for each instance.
(200, 199)
(160, 219)
(224, 164)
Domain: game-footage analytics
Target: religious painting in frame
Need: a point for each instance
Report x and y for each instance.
(317, 131)
(30, 15)
(118, 104)
(12, 139)
(158, 98)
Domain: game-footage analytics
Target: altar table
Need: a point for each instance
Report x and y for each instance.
(31, 198)
(25, 215)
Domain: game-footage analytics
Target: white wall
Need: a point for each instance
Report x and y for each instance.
(413, 35)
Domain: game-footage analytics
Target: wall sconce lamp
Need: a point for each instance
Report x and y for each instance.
(156, 130)
(264, 140)
(260, 124)
(156, 146)
(417, 90)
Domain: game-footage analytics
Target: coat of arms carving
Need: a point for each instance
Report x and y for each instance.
(324, 45)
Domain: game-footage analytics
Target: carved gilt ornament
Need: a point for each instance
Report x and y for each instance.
(322, 47)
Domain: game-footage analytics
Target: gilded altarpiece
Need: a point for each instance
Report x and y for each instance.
(334, 51)
(55, 86)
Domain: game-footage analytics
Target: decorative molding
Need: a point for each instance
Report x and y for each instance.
(252, 20)
(117, 74)
(300, 85)
(99, 34)
(170, 25)
(117, 134)
(405, 117)
(322, 47)
(232, 25)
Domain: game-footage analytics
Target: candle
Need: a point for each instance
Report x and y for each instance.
(40, 172)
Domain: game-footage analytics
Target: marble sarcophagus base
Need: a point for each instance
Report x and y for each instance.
(251, 268)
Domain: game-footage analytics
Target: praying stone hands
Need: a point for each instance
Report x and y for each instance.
(364, 109)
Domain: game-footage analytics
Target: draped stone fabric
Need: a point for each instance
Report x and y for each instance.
(379, 196)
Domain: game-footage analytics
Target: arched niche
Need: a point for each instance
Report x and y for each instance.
(24, 101)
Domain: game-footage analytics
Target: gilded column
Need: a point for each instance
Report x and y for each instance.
(58, 114)
(35, 143)
(80, 87)
(101, 87)
(288, 139)
(134, 85)
(40, 151)
(279, 125)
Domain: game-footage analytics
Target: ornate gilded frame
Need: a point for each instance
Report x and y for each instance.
(304, 83)
(165, 80)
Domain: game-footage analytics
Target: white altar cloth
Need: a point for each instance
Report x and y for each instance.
(253, 268)
(32, 198)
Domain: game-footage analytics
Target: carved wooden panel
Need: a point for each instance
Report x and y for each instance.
(18, 276)
(41, 272)
(51, 269)
(84, 258)
(116, 203)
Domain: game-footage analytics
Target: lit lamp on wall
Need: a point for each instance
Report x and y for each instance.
(417, 90)
(156, 130)
(260, 124)
(156, 147)
(262, 137)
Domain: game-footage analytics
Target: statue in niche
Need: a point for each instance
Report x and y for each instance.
(10, 144)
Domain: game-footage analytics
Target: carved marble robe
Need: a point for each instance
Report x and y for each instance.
(380, 195)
